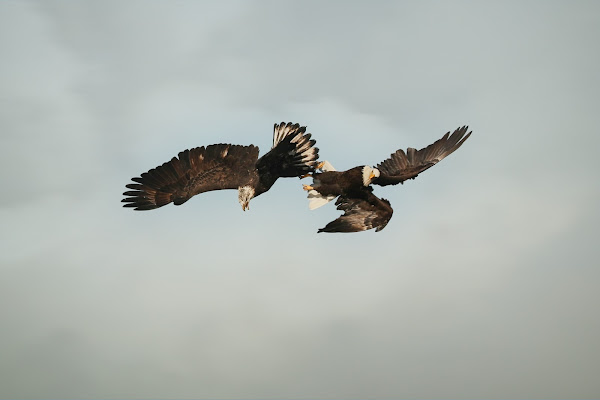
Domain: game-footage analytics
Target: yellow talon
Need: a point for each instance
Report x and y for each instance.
(307, 187)
(305, 176)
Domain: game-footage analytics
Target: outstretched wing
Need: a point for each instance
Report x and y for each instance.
(360, 214)
(402, 166)
(293, 152)
(194, 171)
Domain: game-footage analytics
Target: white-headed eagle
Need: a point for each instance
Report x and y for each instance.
(225, 166)
(362, 209)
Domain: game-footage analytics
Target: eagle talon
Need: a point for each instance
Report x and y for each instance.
(307, 187)
(305, 176)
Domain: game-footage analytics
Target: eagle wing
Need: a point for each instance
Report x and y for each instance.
(360, 214)
(402, 166)
(293, 152)
(194, 171)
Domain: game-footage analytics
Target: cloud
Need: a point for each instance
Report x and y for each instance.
(482, 285)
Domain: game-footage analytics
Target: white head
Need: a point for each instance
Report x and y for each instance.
(368, 173)
(245, 193)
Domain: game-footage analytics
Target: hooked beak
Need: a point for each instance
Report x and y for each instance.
(372, 175)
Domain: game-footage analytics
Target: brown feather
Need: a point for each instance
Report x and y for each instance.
(360, 214)
(198, 170)
(401, 166)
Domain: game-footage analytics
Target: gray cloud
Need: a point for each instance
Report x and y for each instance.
(482, 285)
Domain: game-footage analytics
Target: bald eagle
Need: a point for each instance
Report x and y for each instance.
(362, 209)
(225, 166)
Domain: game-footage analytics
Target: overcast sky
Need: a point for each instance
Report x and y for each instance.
(483, 285)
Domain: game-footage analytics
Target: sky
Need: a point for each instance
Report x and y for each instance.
(483, 285)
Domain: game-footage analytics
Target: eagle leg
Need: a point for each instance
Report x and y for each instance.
(307, 187)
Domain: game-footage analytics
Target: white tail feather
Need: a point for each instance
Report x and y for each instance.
(316, 199)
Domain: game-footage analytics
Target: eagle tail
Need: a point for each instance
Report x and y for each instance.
(316, 199)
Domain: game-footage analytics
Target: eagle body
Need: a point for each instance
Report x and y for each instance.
(335, 183)
(362, 209)
(225, 166)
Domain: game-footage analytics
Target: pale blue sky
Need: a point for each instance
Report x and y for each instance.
(483, 285)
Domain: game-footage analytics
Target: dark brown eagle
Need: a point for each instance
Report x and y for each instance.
(362, 209)
(225, 166)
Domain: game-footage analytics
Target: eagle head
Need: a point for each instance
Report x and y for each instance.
(245, 193)
(368, 173)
